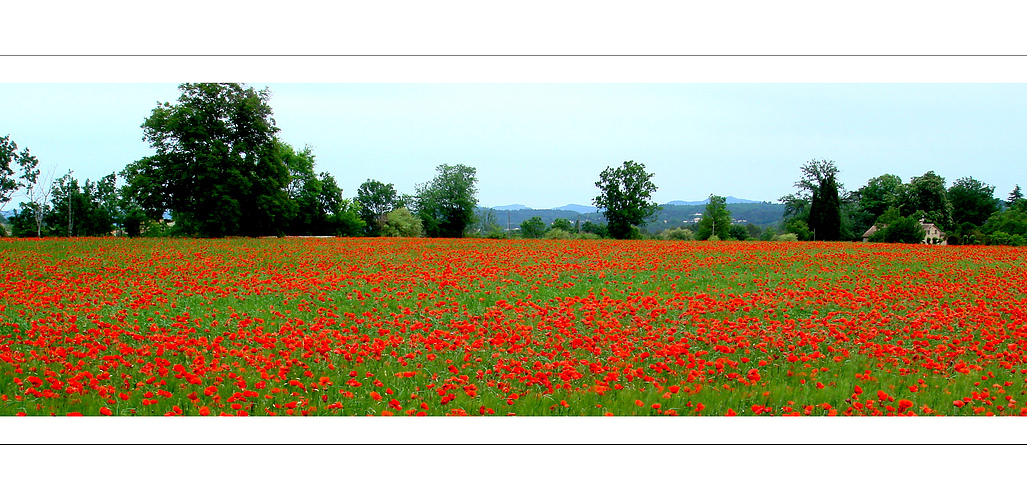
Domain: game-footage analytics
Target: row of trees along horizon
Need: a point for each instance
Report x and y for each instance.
(219, 169)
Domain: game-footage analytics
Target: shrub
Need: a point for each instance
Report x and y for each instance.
(400, 222)
(1006, 239)
(901, 230)
(677, 234)
(557, 234)
(785, 237)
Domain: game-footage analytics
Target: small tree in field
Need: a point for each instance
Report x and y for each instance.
(716, 220)
(533, 228)
(401, 223)
(626, 197)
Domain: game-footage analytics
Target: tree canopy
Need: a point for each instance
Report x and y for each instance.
(218, 165)
(972, 201)
(446, 204)
(625, 197)
(9, 183)
(819, 179)
(1014, 195)
(376, 199)
(533, 228)
(716, 220)
(926, 197)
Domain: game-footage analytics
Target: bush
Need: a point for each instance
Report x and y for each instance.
(557, 234)
(1006, 239)
(799, 228)
(400, 222)
(901, 230)
(496, 235)
(533, 228)
(677, 234)
(588, 236)
(714, 237)
(785, 237)
(160, 229)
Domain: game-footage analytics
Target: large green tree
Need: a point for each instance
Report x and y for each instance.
(377, 200)
(1014, 195)
(1010, 222)
(625, 197)
(218, 165)
(868, 203)
(533, 228)
(972, 201)
(90, 209)
(716, 220)
(926, 197)
(820, 181)
(446, 204)
(9, 182)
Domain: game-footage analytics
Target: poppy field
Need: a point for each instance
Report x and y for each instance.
(425, 327)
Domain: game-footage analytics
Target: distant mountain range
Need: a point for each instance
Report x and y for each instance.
(730, 199)
(581, 209)
(674, 214)
(512, 207)
(586, 209)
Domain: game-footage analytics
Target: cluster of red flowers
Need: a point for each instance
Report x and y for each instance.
(475, 327)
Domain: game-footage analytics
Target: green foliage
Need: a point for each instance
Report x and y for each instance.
(1014, 196)
(23, 222)
(927, 194)
(345, 219)
(972, 201)
(533, 228)
(758, 214)
(485, 224)
(820, 181)
(716, 220)
(377, 200)
(738, 232)
(1003, 238)
(133, 218)
(714, 238)
(795, 207)
(90, 210)
(879, 194)
(625, 197)
(681, 234)
(589, 227)
(446, 204)
(8, 182)
(901, 230)
(160, 229)
(785, 237)
(555, 233)
(864, 206)
(767, 234)
(316, 206)
(218, 165)
(799, 229)
(562, 224)
(1011, 222)
(401, 223)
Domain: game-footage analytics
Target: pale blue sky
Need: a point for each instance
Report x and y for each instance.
(543, 145)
